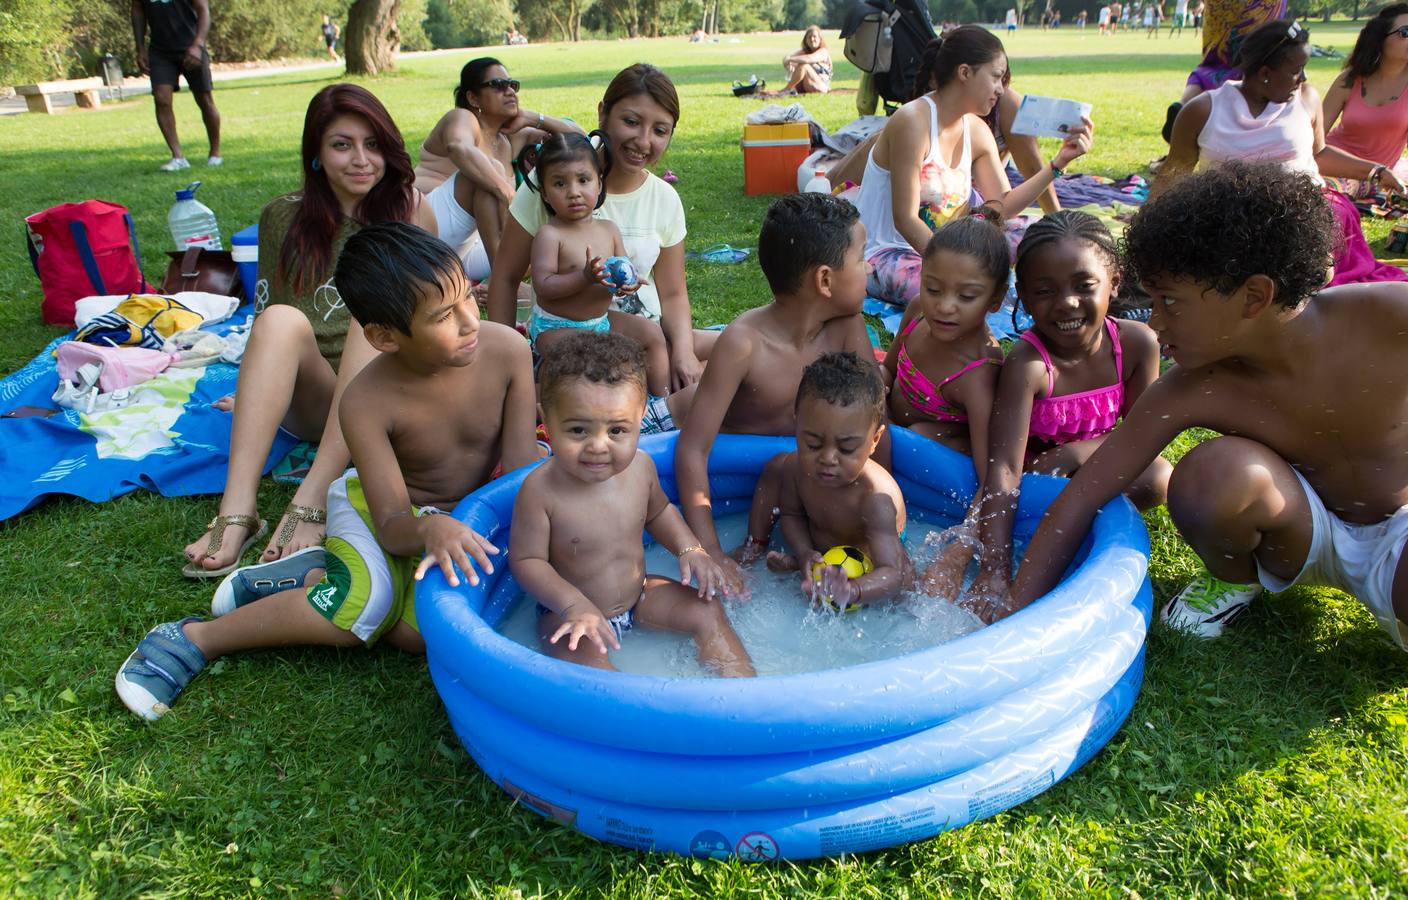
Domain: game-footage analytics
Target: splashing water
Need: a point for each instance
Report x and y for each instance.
(785, 634)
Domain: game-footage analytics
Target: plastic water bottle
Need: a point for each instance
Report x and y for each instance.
(192, 223)
(818, 184)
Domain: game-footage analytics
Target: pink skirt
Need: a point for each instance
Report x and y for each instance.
(1354, 261)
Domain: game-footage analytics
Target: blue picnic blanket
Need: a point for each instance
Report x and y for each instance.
(172, 441)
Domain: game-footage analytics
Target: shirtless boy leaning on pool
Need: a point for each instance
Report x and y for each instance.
(812, 250)
(833, 493)
(577, 520)
(1309, 484)
(426, 421)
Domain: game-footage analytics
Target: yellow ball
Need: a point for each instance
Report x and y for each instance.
(851, 560)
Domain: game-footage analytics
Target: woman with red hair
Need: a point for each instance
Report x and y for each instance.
(304, 347)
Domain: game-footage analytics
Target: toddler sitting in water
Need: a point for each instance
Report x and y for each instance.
(833, 493)
(572, 287)
(575, 545)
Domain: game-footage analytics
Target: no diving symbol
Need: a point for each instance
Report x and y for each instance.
(756, 846)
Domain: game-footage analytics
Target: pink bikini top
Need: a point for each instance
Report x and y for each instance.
(1082, 416)
(920, 390)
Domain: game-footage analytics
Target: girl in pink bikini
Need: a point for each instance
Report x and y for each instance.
(1066, 382)
(942, 367)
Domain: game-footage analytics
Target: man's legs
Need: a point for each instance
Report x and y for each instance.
(211, 117)
(166, 118)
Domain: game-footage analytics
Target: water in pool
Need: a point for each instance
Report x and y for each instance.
(781, 630)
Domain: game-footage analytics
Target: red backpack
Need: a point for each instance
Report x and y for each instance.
(81, 250)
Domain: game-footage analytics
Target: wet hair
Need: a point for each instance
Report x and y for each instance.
(1368, 49)
(599, 357)
(306, 254)
(1221, 226)
(966, 45)
(642, 78)
(1062, 224)
(386, 270)
(801, 232)
(472, 78)
(980, 236)
(844, 379)
(568, 146)
(1268, 46)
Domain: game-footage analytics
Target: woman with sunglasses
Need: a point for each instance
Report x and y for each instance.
(1273, 115)
(1370, 100)
(638, 113)
(466, 162)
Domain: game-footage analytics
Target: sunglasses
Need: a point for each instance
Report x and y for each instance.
(1401, 31)
(501, 84)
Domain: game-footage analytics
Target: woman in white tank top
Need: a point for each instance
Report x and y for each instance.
(933, 153)
(1273, 115)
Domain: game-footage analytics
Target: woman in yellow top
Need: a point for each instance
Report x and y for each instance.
(304, 347)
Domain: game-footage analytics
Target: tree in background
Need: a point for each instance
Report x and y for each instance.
(371, 37)
(464, 23)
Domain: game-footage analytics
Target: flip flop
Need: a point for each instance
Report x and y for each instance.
(722, 253)
(217, 526)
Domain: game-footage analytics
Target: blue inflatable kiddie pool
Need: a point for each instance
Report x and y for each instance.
(799, 766)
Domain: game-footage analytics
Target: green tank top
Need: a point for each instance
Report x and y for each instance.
(322, 304)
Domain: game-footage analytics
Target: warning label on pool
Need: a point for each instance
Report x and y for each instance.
(629, 834)
(1006, 794)
(884, 831)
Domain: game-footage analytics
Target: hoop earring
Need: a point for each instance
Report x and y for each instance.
(316, 164)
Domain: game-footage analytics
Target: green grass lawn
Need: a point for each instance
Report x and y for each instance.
(1270, 763)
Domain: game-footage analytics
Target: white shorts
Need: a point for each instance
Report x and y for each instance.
(1358, 559)
(458, 229)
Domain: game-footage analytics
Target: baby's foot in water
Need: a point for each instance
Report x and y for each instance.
(227, 403)
(305, 534)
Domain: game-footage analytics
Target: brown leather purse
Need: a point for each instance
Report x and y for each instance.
(199, 269)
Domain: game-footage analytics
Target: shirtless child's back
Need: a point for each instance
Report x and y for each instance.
(578, 518)
(812, 249)
(426, 423)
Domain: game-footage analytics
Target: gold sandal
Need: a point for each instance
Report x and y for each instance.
(293, 514)
(257, 529)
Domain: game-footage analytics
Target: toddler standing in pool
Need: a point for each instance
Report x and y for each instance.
(833, 493)
(575, 545)
(1067, 381)
(572, 287)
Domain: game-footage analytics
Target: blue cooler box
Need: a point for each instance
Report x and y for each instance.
(244, 247)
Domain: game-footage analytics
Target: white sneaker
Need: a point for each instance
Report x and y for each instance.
(175, 164)
(1207, 605)
(215, 161)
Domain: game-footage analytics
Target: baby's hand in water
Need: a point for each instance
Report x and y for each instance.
(578, 623)
(813, 560)
(734, 582)
(449, 543)
(698, 567)
(781, 562)
(838, 586)
(748, 552)
(989, 598)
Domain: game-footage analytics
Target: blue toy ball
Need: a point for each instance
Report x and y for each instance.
(621, 271)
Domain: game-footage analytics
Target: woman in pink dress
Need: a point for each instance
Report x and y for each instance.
(1369, 100)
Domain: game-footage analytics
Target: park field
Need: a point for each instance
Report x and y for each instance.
(1271, 762)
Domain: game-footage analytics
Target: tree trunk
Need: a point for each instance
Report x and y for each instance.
(371, 37)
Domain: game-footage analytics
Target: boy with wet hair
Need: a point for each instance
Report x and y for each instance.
(812, 250)
(447, 399)
(577, 520)
(1309, 482)
(833, 493)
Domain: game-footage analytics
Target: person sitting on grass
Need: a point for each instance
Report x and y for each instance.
(811, 249)
(833, 492)
(570, 280)
(1309, 482)
(809, 69)
(426, 421)
(577, 519)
